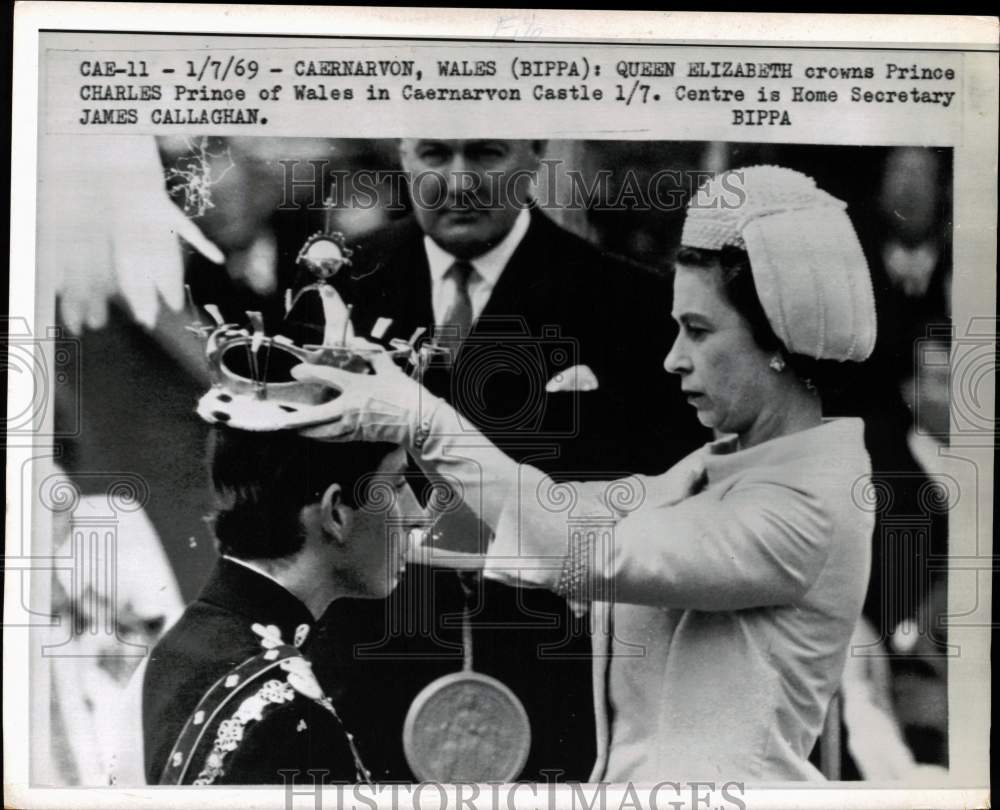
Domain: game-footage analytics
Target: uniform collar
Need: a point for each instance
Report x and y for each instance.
(244, 589)
(491, 263)
(253, 567)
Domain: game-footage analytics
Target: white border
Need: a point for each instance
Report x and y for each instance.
(972, 186)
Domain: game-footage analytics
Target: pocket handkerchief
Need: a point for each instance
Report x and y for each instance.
(575, 378)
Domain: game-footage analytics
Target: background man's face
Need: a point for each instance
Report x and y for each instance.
(467, 194)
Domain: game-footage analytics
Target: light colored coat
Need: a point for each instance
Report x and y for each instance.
(722, 620)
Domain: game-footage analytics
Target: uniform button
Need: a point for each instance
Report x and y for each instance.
(301, 634)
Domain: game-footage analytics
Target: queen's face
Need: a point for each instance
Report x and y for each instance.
(724, 373)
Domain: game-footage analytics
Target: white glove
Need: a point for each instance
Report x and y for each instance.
(387, 406)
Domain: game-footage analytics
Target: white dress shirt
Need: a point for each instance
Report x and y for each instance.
(486, 269)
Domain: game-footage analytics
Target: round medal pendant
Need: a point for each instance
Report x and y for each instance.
(466, 727)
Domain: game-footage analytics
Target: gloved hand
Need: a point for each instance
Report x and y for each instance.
(387, 406)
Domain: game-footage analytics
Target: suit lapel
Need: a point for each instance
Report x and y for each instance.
(524, 282)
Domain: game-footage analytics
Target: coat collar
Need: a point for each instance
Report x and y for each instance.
(259, 599)
(723, 458)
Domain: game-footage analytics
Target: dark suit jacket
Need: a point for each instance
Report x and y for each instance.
(211, 638)
(559, 302)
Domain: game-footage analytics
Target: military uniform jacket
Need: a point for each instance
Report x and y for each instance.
(229, 698)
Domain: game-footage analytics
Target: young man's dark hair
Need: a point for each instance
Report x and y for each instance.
(261, 481)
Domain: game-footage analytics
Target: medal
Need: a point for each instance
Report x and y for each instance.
(466, 726)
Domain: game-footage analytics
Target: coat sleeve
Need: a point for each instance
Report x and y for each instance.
(762, 544)
(637, 540)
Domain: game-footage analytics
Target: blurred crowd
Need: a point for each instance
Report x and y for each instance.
(257, 199)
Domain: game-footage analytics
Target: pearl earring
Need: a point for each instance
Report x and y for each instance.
(777, 363)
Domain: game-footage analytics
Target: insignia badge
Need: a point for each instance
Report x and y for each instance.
(301, 634)
(270, 636)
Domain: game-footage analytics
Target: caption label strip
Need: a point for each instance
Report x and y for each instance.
(332, 90)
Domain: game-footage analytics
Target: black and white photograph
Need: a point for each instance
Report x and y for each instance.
(405, 421)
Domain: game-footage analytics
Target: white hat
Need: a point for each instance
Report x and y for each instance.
(807, 264)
